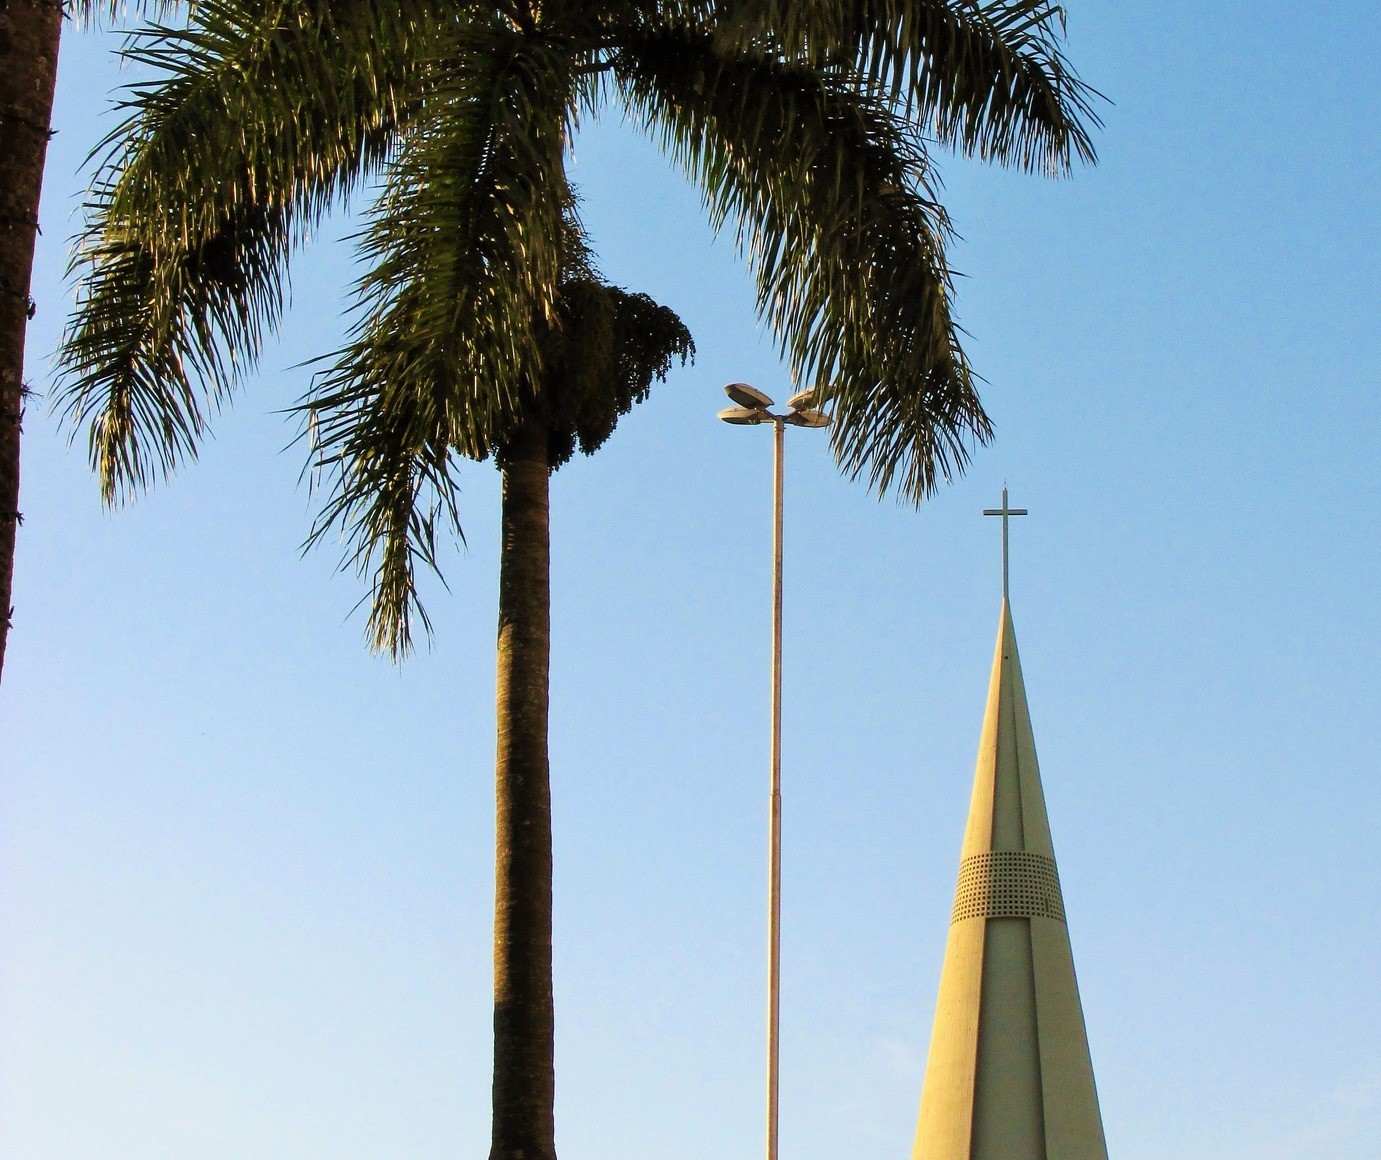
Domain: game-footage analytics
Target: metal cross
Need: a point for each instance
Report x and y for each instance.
(1004, 511)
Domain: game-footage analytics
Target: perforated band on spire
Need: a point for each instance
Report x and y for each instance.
(1008, 884)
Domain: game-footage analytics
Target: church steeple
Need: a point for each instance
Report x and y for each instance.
(1009, 1075)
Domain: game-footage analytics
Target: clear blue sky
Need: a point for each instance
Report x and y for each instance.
(245, 867)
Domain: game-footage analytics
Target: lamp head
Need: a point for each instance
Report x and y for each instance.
(807, 418)
(744, 416)
(746, 396)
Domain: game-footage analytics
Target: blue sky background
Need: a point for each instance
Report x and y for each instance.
(246, 868)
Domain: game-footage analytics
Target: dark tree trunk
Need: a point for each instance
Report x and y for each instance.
(524, 1041)
(29, 33)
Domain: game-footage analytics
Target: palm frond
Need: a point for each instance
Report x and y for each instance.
(94, 13)
(256, 119)
(464, 253)
(988, 77)
(831, 193)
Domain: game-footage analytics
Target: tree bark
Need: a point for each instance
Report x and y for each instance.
(524, 1039)
(29, 35)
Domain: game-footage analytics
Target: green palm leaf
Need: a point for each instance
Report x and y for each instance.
(831, 195)
(989, 79)
(257, 118)
(463, 254)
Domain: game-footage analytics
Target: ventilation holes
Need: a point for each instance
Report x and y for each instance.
(1008, 884)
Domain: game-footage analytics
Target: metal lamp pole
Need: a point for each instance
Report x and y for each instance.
(752, 409)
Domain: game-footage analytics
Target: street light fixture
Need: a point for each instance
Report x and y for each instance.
(752, 409)
(744, 415)
(746, 396)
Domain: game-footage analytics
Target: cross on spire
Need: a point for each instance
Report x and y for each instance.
(1004, 511)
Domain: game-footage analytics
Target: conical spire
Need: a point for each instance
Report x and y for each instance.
(1009, 1075)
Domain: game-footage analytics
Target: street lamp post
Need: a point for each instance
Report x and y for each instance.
(752, 409)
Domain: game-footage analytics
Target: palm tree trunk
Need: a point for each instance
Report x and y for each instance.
(524, 1042)
(29, 33)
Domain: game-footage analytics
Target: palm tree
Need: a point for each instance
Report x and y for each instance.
(480, 326)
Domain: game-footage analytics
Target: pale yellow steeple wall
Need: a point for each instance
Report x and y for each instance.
(1009, 1075)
